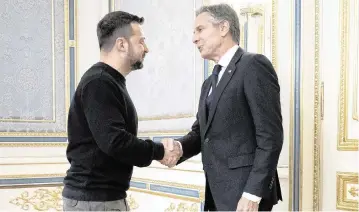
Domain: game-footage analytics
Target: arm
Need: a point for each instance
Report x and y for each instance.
(191, 143)
(263, 95)
(104, 113)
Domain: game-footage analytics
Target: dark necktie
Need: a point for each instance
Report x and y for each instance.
(214, 79)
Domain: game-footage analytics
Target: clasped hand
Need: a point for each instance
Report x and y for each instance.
(173, 152)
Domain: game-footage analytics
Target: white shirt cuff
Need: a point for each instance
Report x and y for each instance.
(179, 143)
(251, 197)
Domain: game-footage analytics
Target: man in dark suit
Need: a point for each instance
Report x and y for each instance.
(239, 123)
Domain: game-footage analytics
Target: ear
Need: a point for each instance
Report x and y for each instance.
(121, 44)
(224, 28)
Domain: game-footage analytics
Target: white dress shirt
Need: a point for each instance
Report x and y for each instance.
(224, 62)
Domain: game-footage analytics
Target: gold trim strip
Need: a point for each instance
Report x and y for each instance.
(166, 117)
(76, 45)
(16, 176)
(33, 163)
(28, 120)
(67, 57)
(317, 116)
(241, 39)
(356, 67)
(291, 122)
(274, 33)
(33, 134)
(33, 144)
(260, 41)
(344, 143)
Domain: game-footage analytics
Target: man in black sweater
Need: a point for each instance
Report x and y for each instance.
(102, 123)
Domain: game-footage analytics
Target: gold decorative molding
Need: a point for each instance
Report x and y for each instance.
(132, 202)
(274, 33)
(344, 143)
(251, 11)
(33, 134)
(347, 191)
(353, 191)
(291, 118)
(355, 66)
(16, 176)
(261, 39)
(182, 207)
(33, 144)
(317, 112)
(33, 163)
(166, 117)
(42, 199)
(241, 33)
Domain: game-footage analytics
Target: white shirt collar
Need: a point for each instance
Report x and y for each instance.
(227, 57)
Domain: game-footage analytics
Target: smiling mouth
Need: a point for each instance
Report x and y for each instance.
(200, 48)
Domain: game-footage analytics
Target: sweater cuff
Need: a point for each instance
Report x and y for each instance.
(158, 151)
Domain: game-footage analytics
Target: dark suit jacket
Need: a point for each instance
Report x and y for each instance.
(242, 139)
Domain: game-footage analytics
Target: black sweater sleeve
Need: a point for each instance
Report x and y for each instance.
(105, 110)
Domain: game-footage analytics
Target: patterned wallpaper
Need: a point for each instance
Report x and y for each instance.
(32, 76)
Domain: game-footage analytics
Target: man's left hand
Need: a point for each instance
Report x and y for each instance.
(247, 205)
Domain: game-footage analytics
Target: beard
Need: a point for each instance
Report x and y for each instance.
(137, 65)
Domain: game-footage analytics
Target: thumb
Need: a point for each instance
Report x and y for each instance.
(170, 145)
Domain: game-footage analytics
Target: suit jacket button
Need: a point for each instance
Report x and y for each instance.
(206, 140)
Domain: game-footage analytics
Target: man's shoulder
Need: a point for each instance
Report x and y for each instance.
(251, 56)
(95, 74)
(250, 59)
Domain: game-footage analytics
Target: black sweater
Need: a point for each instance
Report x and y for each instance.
(102, 130)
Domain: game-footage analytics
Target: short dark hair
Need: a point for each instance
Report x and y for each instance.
(113, 25)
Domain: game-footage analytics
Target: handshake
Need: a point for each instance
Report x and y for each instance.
(173, 152)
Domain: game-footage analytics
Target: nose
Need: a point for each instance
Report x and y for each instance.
(146, 50)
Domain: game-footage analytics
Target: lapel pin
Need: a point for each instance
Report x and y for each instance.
(229, 71)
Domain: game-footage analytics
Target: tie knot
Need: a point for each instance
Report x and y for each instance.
(216, 69)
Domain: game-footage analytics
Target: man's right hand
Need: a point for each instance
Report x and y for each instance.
(173, 152)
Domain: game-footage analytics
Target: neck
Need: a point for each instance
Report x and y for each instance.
(222, 50)
(123, 67)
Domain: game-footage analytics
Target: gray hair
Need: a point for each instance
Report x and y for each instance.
(223, 12)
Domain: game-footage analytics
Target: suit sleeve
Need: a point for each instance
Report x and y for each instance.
(191, 143)
(104, 110)
(262, 91)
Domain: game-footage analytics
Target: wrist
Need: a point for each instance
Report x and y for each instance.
(158, 151)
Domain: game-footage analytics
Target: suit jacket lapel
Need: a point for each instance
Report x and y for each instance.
(202, 107)
(227, 75)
